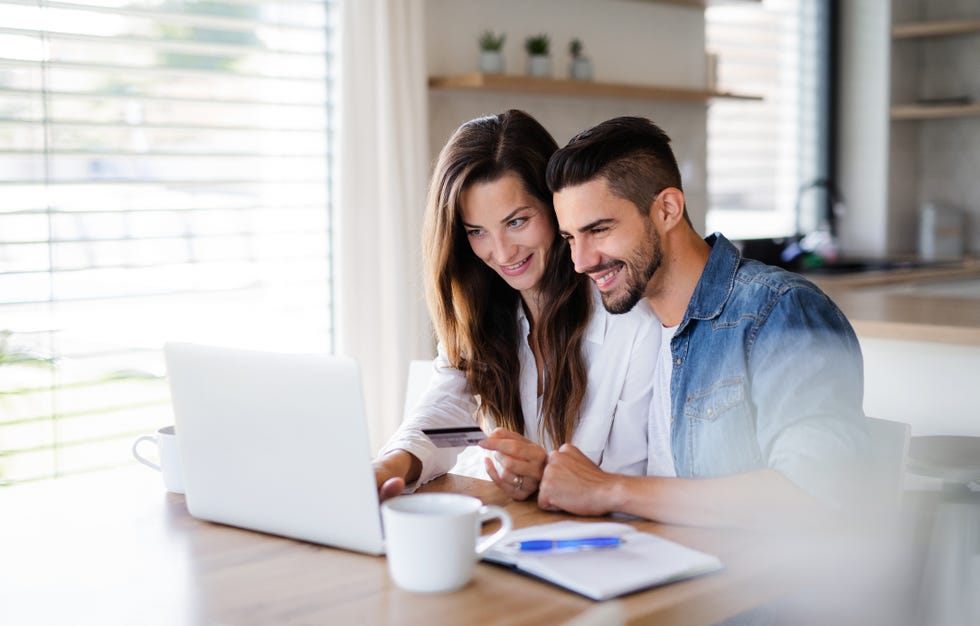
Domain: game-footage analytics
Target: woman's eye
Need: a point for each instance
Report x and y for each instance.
(517, 221)
(474, 232)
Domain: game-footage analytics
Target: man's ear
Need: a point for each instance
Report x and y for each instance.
(671, 207)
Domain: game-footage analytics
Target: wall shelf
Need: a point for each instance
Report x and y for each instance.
(700, 4)
(913, 30)
(552, 86)
(933, 112)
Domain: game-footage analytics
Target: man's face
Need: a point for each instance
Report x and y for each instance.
(611, 242)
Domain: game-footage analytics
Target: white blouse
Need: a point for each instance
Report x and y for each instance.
(620, 353)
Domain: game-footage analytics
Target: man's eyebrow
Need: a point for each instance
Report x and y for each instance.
(596, 224)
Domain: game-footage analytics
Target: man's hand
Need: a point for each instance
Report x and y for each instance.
(573, 483)
(521, 462)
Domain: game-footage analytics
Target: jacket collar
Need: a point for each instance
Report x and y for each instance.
(717, 280)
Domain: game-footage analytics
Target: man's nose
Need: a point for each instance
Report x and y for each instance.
(584, 256)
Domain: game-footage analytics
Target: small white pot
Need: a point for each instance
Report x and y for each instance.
(491, 62)
(539, 65)
(580, 69)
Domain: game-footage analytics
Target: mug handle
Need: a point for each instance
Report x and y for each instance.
(488, 513)
(141, 459)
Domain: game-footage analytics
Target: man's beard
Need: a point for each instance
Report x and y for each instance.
(639, 268)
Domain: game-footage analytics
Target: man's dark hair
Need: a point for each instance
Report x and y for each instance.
(631, 153)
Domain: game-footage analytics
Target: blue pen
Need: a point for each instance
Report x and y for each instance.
(539, 545)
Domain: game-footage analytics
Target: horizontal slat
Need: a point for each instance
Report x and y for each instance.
(183, 238)
(227, 182)
(54, 152)
(133, 75)
(73, 414)
(184, 18)
(70, 123)
(7, 454)
(152, 210)
(237, 52)
(172, 99)
(318, 4)
(245, 286)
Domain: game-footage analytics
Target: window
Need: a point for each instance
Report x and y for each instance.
(165, 167)
(765, 157)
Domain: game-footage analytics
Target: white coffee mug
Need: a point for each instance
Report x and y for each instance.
(166, 441)
(433, 540)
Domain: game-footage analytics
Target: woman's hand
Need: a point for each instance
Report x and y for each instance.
(521, 462)
(393, 470)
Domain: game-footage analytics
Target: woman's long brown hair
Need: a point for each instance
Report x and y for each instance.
(473, 310)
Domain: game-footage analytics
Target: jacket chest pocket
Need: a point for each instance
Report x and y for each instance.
(723, 438)
(713, 404)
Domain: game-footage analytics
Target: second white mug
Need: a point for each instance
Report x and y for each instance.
(433, 540)
(169, 456)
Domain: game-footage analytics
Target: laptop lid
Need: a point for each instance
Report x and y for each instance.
(276, 443)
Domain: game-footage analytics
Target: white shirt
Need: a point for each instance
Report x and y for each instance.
(620, 358)
(660, 461)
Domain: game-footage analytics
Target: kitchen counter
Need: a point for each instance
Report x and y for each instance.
(934, 304)
(919, 331)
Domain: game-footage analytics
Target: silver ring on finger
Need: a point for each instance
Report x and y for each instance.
(518, 483)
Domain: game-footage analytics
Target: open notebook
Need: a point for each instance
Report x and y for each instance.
(642, 560)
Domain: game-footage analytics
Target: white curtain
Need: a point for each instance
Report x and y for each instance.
(381, 169)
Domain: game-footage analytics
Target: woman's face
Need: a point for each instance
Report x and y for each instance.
(509, 229)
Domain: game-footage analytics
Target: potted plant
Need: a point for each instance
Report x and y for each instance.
(538, 60)
(491, 52)
(581, 66)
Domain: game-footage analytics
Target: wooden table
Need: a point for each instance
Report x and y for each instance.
(114, 548)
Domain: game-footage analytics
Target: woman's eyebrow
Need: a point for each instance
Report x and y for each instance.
(514, 213)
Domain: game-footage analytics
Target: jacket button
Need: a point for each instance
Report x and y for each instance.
(678, 361)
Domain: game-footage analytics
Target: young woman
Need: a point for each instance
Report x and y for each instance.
(524, 343)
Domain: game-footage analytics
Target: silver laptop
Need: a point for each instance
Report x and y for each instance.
(276, 443)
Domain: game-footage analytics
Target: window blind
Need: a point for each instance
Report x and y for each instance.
(164, 169)
(762, 153)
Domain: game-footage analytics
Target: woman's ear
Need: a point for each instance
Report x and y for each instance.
(671, 207)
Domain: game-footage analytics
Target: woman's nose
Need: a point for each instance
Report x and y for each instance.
(503, 251)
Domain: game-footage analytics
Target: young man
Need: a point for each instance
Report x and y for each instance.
(757, 417)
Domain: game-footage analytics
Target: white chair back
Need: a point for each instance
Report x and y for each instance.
(419, 375)
(889, 452)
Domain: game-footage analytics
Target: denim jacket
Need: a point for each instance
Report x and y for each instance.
(767, 372)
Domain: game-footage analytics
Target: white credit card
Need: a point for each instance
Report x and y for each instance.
(455, 437)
